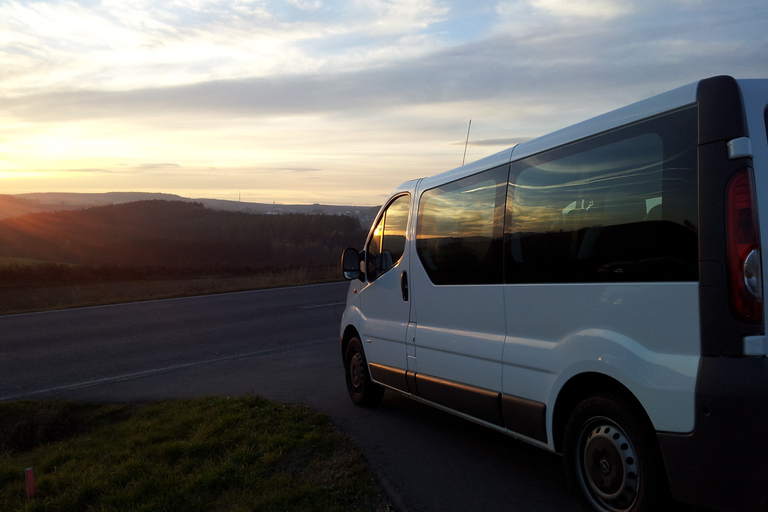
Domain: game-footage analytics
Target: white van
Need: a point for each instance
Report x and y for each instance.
(597, 292)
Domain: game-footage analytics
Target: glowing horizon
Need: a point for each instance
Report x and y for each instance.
(328, 102)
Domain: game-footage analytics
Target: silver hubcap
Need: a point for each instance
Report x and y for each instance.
(355, 371)
(609, 469)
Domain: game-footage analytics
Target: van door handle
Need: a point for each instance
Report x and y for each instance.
(404, 285)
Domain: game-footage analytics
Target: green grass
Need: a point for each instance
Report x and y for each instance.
(210, 454)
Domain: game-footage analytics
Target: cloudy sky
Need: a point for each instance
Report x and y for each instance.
(326, 101)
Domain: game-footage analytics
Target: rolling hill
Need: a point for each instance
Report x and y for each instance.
(176, 234)
(21, 204)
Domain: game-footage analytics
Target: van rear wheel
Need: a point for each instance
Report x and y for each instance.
(612, 461)
(362, 390)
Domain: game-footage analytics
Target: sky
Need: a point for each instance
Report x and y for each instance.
(325, 101)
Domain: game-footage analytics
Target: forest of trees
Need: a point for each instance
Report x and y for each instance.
(176, 235)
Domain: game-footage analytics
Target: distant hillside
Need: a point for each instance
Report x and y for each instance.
(177, 233)
(13, 206)
(81, 199)
(23, 204)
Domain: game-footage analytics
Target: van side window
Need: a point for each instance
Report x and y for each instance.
(460, 229)
(618, 207)
(387, 243)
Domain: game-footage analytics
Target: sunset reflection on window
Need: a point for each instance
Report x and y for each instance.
(460, 229)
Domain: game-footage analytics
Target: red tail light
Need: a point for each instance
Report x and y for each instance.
(744, 259)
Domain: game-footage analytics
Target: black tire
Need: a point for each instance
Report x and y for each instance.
(362, 390)
(612, 460)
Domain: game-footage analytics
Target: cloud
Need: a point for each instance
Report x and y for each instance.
(307, 5)
(357, 95)
(541, 50)
(300, 169)
(114, 45)
(606, 63)
(583, 9)
(157, 167)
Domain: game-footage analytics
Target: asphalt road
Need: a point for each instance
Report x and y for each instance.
(61, 351)
(281, 344)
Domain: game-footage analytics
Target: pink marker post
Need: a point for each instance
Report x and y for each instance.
(30, 483)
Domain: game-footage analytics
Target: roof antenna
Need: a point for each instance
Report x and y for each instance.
(466, 142)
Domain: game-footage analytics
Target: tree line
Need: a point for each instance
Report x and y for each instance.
(178, 235)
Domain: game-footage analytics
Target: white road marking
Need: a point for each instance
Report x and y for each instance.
(324, 305)
(135, 375)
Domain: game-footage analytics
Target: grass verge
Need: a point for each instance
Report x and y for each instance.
(210, 454)
(26, 299)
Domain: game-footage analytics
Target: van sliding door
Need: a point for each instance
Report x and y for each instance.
(458, 295)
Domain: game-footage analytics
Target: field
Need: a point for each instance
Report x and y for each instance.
(152, 249)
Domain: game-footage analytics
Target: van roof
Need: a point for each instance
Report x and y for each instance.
(655, 105)
(676, 98)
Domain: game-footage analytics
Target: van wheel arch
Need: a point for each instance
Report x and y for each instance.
(611, 457)
(581, 387)
(349, 333)
(362, 389)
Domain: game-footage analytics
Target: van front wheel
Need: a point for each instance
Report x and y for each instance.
(612, 460)
(362, 390)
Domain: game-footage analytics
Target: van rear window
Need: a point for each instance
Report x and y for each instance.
(620, 206)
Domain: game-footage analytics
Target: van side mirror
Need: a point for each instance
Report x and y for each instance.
(350, 264)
